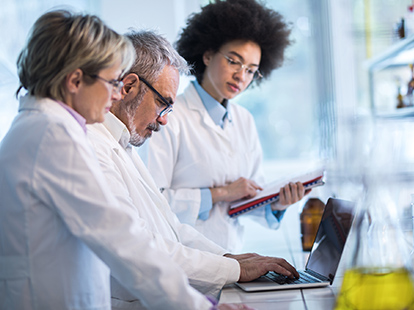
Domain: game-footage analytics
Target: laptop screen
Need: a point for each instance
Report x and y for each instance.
(331, 237)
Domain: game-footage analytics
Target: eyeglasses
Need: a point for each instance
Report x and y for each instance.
(237, 66)
(169, 107)
(116, 84)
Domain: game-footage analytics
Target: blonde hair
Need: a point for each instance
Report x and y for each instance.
(61, 42)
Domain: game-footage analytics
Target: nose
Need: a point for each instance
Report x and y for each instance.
(163, 120)
(241, 75)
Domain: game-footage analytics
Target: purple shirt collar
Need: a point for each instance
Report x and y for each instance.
(79, 118)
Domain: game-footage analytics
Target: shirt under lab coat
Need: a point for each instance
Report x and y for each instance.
(134, 187)
(192, 152)
(61, 231)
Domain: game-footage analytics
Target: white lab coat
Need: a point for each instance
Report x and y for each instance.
(132, 184)
(192, 152)
(61, 230)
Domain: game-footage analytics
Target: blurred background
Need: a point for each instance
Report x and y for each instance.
(296, 110)
(351, 60)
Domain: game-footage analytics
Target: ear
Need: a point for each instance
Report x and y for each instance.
(73, 80)
(131, 86)
(207, 57)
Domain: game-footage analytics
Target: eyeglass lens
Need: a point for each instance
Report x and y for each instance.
(169, 107)
(237, 66)
(116, 85)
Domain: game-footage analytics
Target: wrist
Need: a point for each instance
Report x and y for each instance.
(277, 206)
(218, 194)
(274, 206)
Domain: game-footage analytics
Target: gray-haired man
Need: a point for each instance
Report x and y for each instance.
(148, 96)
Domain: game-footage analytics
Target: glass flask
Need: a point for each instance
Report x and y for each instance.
(379, 271)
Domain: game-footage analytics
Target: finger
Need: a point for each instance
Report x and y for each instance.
(283, 267)
(282, 196)
(297, 192)
(301, 190)
(288, 194)
(256, 186)
(293, 192)
(251, 191)
(292, 270)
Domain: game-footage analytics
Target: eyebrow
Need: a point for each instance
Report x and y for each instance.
(241, 58)
(169, 99)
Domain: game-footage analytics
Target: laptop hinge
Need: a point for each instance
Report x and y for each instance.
(319, 276)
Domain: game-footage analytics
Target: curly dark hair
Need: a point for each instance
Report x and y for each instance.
(220, 22)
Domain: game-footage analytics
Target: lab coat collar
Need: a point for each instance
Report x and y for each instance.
(79, 118)
(117, 129)
(193, 101)
(28, 102)
(218, 112)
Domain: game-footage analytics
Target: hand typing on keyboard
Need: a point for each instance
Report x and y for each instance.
(253, 266)
(281, 279)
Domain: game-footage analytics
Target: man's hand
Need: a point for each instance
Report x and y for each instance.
(288, 195)
(254, 265)
(241, 188)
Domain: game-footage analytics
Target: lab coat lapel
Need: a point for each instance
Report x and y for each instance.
(127, 155)
(145, 178)
(149, 184)
(193, 102)
(132, 169)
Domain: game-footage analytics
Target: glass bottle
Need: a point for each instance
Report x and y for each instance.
(379, 274)
(309, 221)
(400, 98)
(410, 88)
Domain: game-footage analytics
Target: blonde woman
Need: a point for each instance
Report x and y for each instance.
(62, 233)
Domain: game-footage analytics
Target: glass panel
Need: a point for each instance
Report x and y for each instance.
(285, 107)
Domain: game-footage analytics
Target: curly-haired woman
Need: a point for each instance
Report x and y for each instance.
(209, 154)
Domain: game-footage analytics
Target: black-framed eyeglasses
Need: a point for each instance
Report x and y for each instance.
(116, 84)
(237, 66)
(169, 107)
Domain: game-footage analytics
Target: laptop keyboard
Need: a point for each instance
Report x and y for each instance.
(281, 279)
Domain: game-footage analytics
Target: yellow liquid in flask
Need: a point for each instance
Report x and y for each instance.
(376, 289)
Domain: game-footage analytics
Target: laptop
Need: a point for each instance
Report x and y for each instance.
(324, 256)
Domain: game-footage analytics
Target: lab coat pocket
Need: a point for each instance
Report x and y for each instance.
(15, 294)
(249, 162)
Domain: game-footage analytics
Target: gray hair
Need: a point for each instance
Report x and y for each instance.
(61, 42)
(153, 53)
